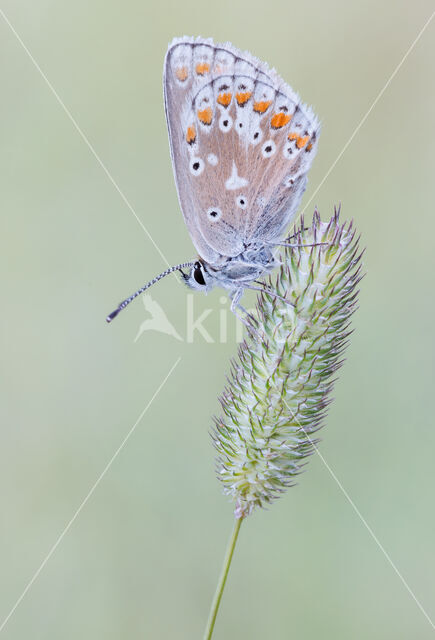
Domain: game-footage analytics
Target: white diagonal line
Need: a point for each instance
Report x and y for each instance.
(82, 135)
(86, 499)
(364, 521)
(345, 493)
(374, 103)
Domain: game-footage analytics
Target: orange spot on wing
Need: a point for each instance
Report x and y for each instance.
(301, 142)
(205, 115)
(243, 97)
(262, 106)
(202, 68)
(182, 73)
(224, 99)
(279, 120)
(191, 134)
(309, 147)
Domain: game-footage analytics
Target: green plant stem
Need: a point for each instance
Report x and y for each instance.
(222, 580)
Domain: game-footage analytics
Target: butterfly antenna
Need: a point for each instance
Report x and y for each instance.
(149, 284)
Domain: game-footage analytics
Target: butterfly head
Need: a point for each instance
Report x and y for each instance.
(198, 277)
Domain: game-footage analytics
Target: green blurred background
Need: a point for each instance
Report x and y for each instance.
(142, 558)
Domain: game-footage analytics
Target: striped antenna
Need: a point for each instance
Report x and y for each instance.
(149, 284)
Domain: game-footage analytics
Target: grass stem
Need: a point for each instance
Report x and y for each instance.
(222, 580)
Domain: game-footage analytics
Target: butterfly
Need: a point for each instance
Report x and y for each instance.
(241, 144)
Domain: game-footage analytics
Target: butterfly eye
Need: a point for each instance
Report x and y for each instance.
(214, 214)
(197, 274)
(196, 166)
(242, 202)
(225, 123)
(268, 149)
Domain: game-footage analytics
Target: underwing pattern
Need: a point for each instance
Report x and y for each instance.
(241, 144)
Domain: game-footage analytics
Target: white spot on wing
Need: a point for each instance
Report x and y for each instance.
(256, 136)
(242, 201)
(212, 159)
(214, 214)
(196, 166)
(225, 123)
(235, 181)
(268, 149)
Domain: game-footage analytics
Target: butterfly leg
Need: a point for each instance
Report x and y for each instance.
(235, 305)
(296, 246)
(270, 292)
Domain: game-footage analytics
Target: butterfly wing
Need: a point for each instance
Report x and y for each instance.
(241, 145)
